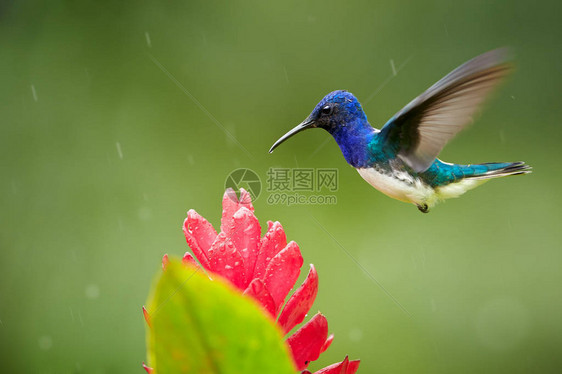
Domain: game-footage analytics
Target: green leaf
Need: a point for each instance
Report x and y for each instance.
(200, 325)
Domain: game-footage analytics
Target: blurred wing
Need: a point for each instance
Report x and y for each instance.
(423, 127)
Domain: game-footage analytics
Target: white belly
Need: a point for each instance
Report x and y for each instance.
(401, 186)
(404, 187)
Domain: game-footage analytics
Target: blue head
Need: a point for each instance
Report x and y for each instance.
(336, 110)
(341, 114)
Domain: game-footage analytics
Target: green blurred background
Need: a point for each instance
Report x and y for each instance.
(102, 154)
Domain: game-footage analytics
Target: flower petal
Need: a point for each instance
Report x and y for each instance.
(327, 343)
(146, 316)
(231, 204)
(149, 370)
(271, 244)
(200, 235)
(282, 273)
(245, 234)
(337, 368)
(225, 260)
(300, 302)
(353, 367)
(344, 367)
(165, 261)
(188, 259)
(306, 343)
(257, 290)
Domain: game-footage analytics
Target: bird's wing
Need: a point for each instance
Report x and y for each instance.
(423, 127)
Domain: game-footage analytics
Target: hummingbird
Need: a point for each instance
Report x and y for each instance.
(400, 160)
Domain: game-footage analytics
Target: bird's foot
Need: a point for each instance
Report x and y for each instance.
(423, 208)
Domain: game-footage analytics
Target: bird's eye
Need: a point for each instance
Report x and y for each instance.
(327, 110)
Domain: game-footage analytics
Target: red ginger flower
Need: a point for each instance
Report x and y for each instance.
(265, 269)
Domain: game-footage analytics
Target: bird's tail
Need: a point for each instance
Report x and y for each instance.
(495, 170)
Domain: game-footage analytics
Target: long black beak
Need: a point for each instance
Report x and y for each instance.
(306, 124)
